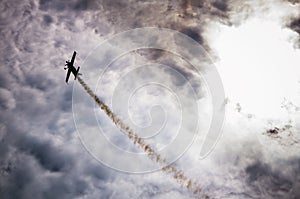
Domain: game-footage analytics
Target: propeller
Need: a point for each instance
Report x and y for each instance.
(67, 64)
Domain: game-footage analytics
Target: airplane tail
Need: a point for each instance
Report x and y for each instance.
(77, 72)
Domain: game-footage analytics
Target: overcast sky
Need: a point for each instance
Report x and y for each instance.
(254, 45)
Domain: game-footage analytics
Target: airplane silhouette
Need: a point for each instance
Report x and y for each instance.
(71, 68)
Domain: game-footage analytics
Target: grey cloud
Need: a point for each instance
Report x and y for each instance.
(277, 181)
(4, 78)
(7, 100)
(33, 166)
(181, 66)
(35, 103)
(39, 80)
(40, 155)
(27, 180)
(50, 157)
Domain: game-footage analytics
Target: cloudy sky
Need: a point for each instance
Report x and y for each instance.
(55, 143)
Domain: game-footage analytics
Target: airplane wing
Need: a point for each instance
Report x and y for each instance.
(73, 58)
(68, 75)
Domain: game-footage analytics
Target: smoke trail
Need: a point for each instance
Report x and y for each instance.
(178, 174)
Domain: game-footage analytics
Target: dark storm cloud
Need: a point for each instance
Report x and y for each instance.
(294, 1)
(200, 13)
(277, 181)
(222, 5)
(206, 8)
(294, 22)
(61, 5)
(295, 25)
(48, 20)
(152, 54)
(194, 33)
(168, 14)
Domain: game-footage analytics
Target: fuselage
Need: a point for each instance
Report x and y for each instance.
(71, 67)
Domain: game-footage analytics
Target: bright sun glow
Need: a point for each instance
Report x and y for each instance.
(259, 66)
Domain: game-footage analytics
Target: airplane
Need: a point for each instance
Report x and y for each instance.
(71, 68)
